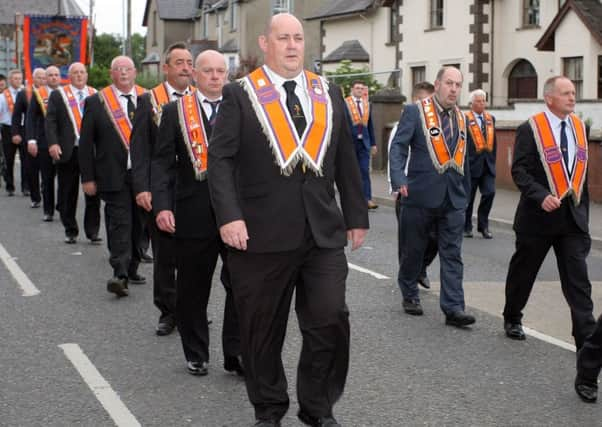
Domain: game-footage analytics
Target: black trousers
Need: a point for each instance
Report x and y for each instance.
(164, 269)
(589, 358)
(263, 285)
(432, 246)
(42, 164)
(486, 186)
(571, 248)
(68, 195)
(123, 220)
(10, 151)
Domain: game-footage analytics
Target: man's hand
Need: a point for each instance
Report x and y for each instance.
(89, 188)
(357, 236)
(235, 234)
(403, 190)
(55, 151)
(550, 203)
(373, 150)
(32, 149)
(144, 200)
(166, 221)
(16, 139)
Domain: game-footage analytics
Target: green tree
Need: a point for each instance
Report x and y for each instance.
(106, 47)
(138, 49)
(345, 81)
(98, 76)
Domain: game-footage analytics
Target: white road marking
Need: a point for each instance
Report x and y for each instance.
(549, 339)
(109, 399)
(365, 270)
(23, 281)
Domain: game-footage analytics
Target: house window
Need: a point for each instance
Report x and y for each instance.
(154, 28)
(573, 69)
(393, 23)
(282, 6)
(530, 13)
(233, 9)
(418, 75)
(436, 17)
(522, 81)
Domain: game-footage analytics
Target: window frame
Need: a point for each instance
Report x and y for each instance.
(576, 63)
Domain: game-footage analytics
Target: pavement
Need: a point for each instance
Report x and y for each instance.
(502, 212)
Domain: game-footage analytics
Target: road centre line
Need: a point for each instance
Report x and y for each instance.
(549, 339)
(365, 270)
(19, 275)
(108, 398)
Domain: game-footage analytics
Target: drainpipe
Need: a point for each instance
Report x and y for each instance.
(491, 51)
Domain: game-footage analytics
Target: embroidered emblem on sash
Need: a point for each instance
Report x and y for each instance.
(288, 148)
(561, 185)
(193, 131)
(120, 120)
(481, 144)
(160, 97)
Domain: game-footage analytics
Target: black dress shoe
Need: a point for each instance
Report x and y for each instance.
(266, 423)
(328, 421)
(424, 282)
(146, 259)
(35, 205)
(95, 240)
(118, 286)
(136, 279)
(234, 364)
(47, 218)
(514, 331)
(486, 234)
(468, 234)
(70, 240)
(26, 193)
(10, 193)
(412, 307)
(197, 368)
(586, 390)
(165, 327)
(459, 319)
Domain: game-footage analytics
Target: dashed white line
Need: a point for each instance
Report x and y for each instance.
(23, 281)
(370, 272)
(108, 398)
(549, 339)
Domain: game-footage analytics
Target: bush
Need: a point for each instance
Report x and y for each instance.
(345, 82)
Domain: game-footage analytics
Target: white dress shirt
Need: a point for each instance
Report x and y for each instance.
(171, 90)
(555, 123)
(206, 106)
(6, 116)
(300, 91)
(75, 91)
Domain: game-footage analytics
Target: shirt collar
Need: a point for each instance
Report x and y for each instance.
(131, 92)
(440, 108)
(202, 98)
(278, 80)
(554, 119)
(75, 90)
(171, 89)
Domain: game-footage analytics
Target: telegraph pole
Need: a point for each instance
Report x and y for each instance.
(91, 34)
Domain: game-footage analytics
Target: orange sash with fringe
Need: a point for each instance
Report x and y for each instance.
(118, 117)
(193, 131)
(356, 117)
(74, 109)
(481, 144)
(160, 97)
(42, 93)
(561, 184)
(9, 100)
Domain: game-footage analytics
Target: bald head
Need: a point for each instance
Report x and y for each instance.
(448, 86)
(39, 77)
(283, 45)
(78, 75)
(53, 77)
(210, 72)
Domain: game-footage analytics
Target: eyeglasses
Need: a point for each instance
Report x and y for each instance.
(122, 69)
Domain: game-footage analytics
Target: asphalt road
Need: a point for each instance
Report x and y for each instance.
(404, 370)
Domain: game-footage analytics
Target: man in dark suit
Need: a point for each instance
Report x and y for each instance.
(272, 169)
(63, 125)
(481, 157)
(550, 170)
(105, 166)
(39, 158)
(433, 193)
(177, 69)
(179, 172)
(589, 362)
(12, 143)
(18, 128)
(362, 131)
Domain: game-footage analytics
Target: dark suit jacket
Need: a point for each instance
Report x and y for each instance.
(34, 123)
(484, 162)
(19, 111)
(426, 186)
(366, 131)
(530, 178)
(173, 177)
(246, 184)
(102, 155)
(59, 129)
(144, 135)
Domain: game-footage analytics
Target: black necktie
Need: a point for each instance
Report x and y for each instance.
(177, 94)
(446, 128)
(214, 105)
(359, 106)
(483, 129)
(294, 107)
(131, 106)
(564, 144)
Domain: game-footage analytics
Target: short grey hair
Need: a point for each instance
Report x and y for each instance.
(475, 93)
